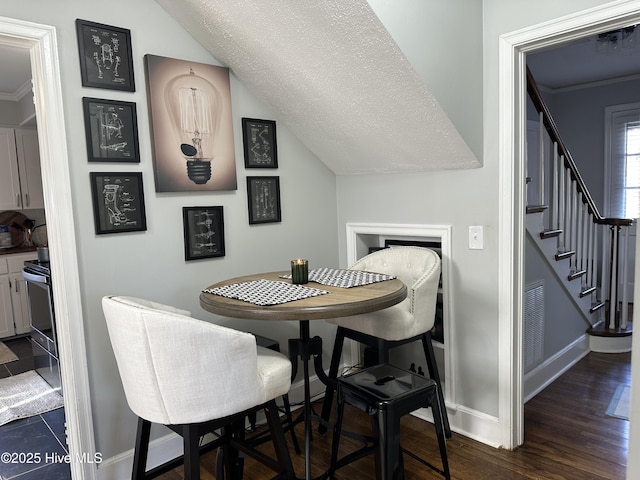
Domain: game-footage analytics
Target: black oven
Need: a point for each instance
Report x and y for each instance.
(37, 276)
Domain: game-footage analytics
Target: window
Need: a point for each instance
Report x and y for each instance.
(623, 160)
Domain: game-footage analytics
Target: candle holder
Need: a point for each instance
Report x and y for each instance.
(299, 271)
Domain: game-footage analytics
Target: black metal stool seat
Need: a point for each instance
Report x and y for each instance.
(387, 393)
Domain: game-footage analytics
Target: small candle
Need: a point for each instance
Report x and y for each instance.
(299, 271)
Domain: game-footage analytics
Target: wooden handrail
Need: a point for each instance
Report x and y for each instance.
(552, 130)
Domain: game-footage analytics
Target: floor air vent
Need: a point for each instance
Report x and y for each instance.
(533, 325)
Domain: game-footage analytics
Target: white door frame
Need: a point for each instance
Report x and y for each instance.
(513, 48)
(42, 44)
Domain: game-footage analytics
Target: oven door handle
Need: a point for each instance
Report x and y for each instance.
(33, 277)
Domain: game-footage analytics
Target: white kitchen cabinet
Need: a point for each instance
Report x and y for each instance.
(14, 314)
(21, 179)
(10, 196)
(6, 311)
(19, 303)
(29, 168)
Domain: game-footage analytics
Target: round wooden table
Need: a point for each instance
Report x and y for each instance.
(339, 302)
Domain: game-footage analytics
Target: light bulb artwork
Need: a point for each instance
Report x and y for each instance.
(190, 106)
(194, 107)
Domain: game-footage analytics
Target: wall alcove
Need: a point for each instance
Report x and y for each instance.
(363, 238)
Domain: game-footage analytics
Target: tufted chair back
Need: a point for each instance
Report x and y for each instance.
(179, 370)
(419, 270)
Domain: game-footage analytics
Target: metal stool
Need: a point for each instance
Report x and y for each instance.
(387, 393)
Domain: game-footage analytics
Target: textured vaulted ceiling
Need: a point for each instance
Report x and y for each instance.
(334, 76)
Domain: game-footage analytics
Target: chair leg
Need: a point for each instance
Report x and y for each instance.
(337, 431)
(333, 375)
(228, 458)
(289, 417)
(191, 441)
(141, 449)
(383, 351)
(279, 442)
(388, 456)
(438, 422)
(435, 376)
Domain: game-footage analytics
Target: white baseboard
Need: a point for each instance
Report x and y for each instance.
(469, 423)
(464, 421)
(544, 374)
(161, 450)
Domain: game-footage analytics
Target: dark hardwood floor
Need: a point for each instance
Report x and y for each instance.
(567, 436)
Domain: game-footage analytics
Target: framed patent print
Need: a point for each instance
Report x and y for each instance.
(105, 56)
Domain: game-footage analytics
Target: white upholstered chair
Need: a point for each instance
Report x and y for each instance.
(194, 377)
(409, 321)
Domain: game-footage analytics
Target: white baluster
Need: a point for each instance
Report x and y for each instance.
(625, 267)
(554, 193)
(585, 239)
(574, 223)
(613, 290)
(604, 263)
(541, 161)
(579, 235)
(598, 281)
(561, 209)
(591, 257)
(568, 220)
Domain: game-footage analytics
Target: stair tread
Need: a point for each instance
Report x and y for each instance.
(550, 233)
(587, 291)
(576, 275)
(601, 329)
(564, 255)
(536, 208)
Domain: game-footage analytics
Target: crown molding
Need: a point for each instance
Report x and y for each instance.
(24, 89)
(599, 83)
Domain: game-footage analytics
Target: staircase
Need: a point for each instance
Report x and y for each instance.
(587, 252)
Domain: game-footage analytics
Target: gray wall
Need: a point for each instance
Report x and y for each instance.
(563, 322)
(454, 69)
(151, 264)
(579, 114)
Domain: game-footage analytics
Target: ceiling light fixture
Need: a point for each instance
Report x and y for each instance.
(614, 41)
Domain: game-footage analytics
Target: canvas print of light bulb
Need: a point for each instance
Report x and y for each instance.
(190, 105)
(194, 106)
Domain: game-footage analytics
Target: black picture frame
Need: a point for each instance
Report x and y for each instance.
(203, 232)
(106, 60)
(118, 202)
(260, 146)
(111, 129)
(263, 195)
